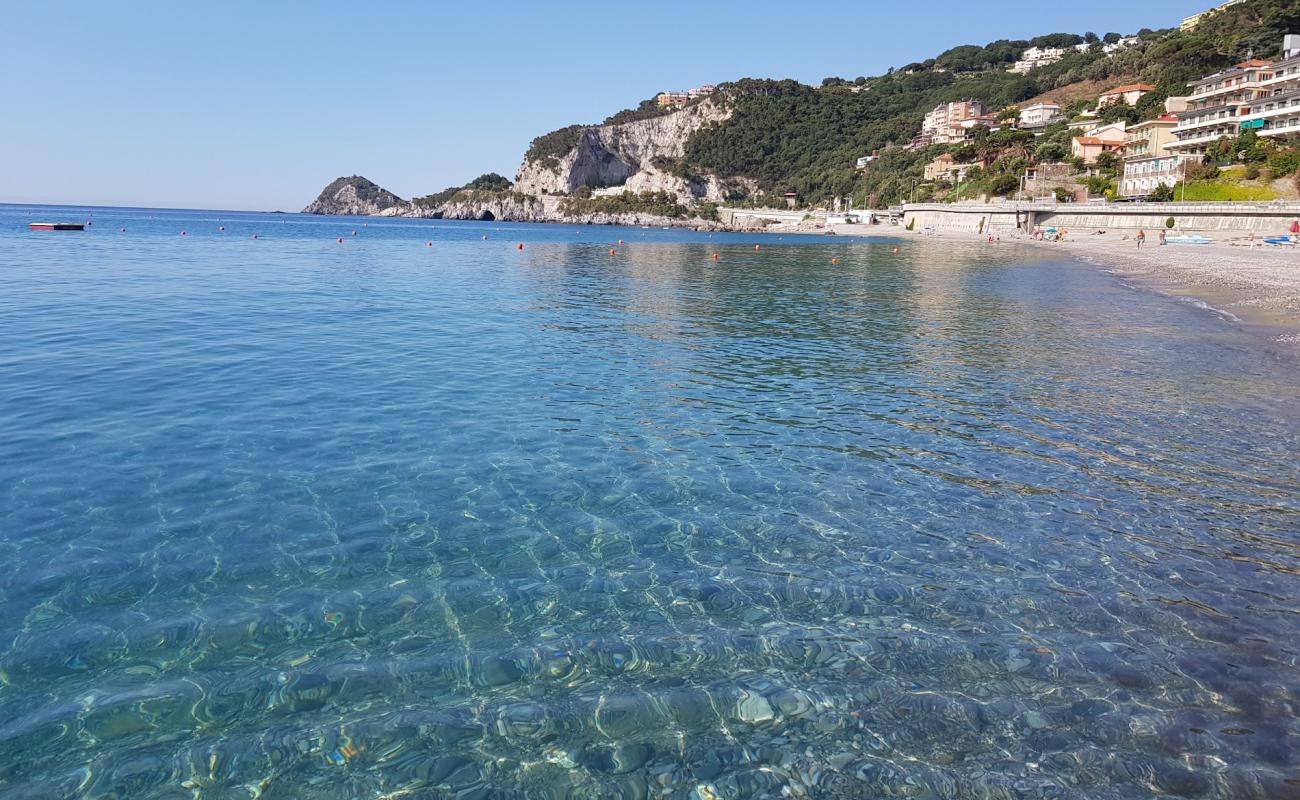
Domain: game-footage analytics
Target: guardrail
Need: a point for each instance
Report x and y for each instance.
(1137, 207)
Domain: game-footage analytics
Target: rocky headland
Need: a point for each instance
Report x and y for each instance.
(625, 173)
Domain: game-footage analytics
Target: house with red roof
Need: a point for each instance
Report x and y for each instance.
(1129, 93)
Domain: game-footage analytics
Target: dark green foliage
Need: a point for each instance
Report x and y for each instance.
(1200, 172)
(490, 182)
(1056, 40)
(1152, 104)
(647, 109)
(1002, 185)
(437, 198)
(662, 204)
(1109, 165)
(1098, 185)
(1054, 144)
(1284, 162)
(972, 58)
(483, 186)
(1162, 194)
(366, 190)
(1117, 111)
(549, 148)
(791, 137)
(1280, 156)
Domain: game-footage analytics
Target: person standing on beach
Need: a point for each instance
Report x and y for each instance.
(1162, 237)
(1141, 237)
(1250, 240)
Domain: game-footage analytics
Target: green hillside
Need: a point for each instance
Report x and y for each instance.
(794, 137)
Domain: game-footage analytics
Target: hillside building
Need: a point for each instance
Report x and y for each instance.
(1104, 139)
(1036, 57)
(1147, 162)
(1129, 95)
(951, 114)
(946, 168)
(1258, 95)
(1040, 115)
(1195, 19)
(679, 99)
(950, 123)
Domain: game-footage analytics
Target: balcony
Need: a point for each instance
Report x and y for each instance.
(1200, 141)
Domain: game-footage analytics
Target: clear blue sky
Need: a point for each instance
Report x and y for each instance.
(244, 105)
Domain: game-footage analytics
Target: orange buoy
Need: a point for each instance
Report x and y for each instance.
(521, 246)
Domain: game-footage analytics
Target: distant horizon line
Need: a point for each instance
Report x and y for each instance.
(149, 208)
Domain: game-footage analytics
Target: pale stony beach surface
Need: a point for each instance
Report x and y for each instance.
(1258, 286)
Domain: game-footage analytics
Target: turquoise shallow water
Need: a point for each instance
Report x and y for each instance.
(292, 518)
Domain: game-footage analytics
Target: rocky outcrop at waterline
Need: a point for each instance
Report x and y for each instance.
(354, 196)
(488, 206)
(643, 155)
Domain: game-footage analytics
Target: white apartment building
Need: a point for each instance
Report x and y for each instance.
(950, 115)
(1275, 111)
(1258, 95)
(1036, 57)
(1122, 44)
(1040, 115)
(1142, 176)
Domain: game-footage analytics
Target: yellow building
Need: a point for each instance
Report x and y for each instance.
(1149, 138)
(1191, 22)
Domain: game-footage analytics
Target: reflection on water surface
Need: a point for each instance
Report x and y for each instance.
(289, 519)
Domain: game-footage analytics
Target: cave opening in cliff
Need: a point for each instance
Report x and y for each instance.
(487, 216)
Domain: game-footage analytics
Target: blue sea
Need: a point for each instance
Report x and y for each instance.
(419, 513)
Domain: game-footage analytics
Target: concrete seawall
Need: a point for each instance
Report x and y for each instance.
(998, 218)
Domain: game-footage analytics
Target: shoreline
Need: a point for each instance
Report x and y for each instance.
(1257, 288)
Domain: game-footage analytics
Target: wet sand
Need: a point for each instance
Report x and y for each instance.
(1259, 287)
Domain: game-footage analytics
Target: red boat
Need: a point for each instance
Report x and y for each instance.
(57, 226)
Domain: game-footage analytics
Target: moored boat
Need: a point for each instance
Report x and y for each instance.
(57, 226)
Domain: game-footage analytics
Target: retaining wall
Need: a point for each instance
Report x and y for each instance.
(1265, 218)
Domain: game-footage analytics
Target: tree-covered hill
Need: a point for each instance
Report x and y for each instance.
(794, 137)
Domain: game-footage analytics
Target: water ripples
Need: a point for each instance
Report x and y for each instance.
(284, 519)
